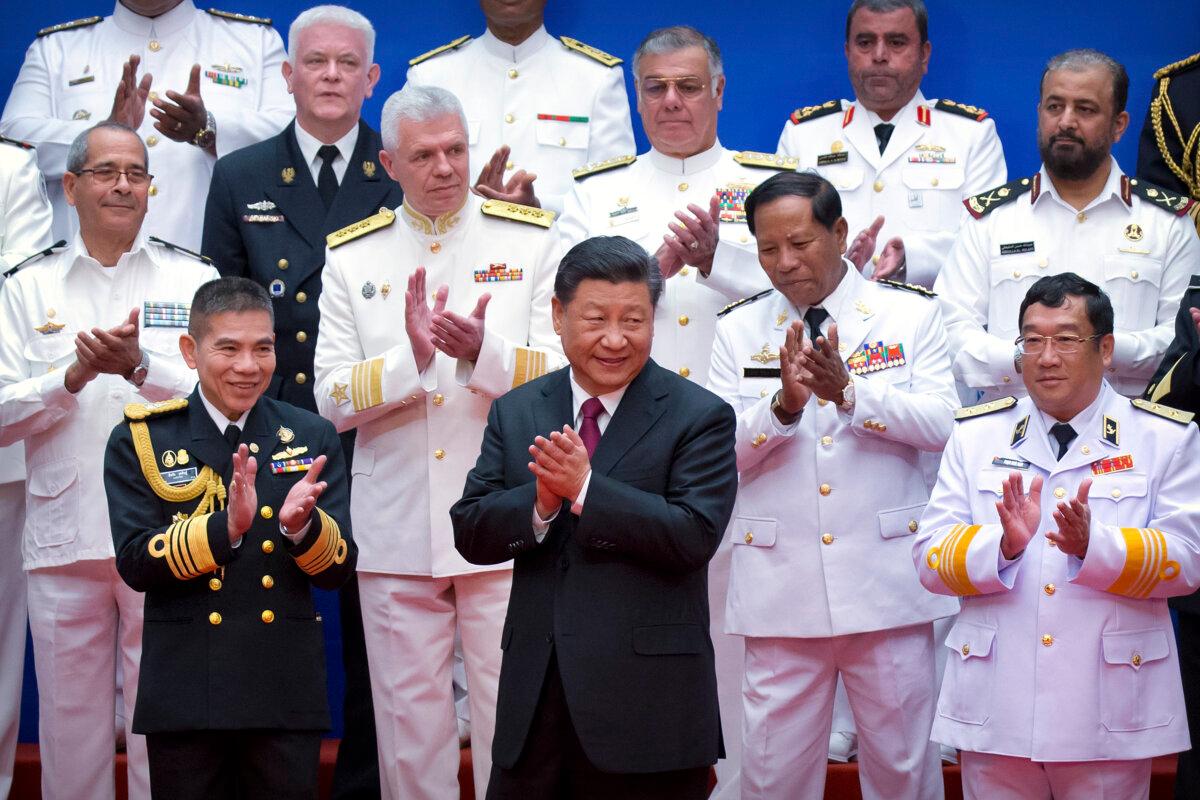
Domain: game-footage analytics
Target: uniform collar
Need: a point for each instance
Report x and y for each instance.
(1085, 423)
(515, 55)
(166, 24)
(77, 253)
(837, 301)
(908, 113)
(219, 419)
(309, 144)
(1110, 192)
(441, 226)
(690, 165)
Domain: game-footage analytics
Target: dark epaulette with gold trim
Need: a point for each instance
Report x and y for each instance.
(35, 257)
(908, 287)
(17, 142)
(375, 222)
(240, 17)
(963, 110)
(1166, 412)
(593, 53)
(1178, 66)
(986, 202)
(437, 51)
(518, 213)
(1177, 204)
(136, 412)
(813, 112)
(991, 407)
(69, 26)
(745, 301)
(596, 167)
(178, 249)
(777, 161)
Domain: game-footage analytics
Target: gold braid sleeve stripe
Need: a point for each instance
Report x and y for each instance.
(530, 364)
(1146, 563)
(185, 547)
(329, 549)
(366, 384)
(949, 559)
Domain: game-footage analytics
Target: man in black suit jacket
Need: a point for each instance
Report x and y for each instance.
(232, 695)
(607, 687)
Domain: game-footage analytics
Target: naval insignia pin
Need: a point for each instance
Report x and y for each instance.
(1133, 232)
(261, 205)
(168, 459)
(837, 147)
(82, 114)
(766, 355)
(288, 174)
(369, 169)
(276, 288)
(182, 457)
(1112, 431)
(368, 290)
(782, 318)
(285, 434)
(1019, 431)
(386, 289)
(254, 447)
(338, 393)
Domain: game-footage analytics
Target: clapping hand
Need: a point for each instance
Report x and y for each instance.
(297, 507)
(560, 463)
(1074, 519)
(418, 318)
(242, 497)
(1019, 513)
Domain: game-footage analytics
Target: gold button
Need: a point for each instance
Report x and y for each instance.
(152, 191)
(155, 46)
(1047, 639)
(265, 512)
(214, 584)
(268, 546)
(509, 118)
(301, 297)
(301, 337)
(933, 182)
(749, 537)
(1007, 379)
(562, 142)
(683, 319)
(1016, 273)
(684, 271)
(1060, 493)
(268, 582)
(512, 73)
(826, 441)
(825, 489)
(1049, 589)
(254, 447)
(439, 454)
(762, 393)
(826, 538)
(1081, 216)
(744, 238)
(882, 426)
(214, 618)
(151, 140)
(282, 263)
(1052, 544)
(1045, 262)
(1136, 660)
(683, 187)
(869, 424)
(878, 186)
(684, 371)
(912, 526)
(508, 165)
(875, 260)
(759, 439)
(966, 649)
(821, 401)
(1085, 450)
(268, 616)
(1116, 493)
(301, 378)
(436, 247)
(439, 398)
(1134, 274)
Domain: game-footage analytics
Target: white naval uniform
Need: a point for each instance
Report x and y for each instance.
(1054, 658)
(825, 515)
(81, 614)
(1140, 254)
(418, 435)
(938, 156)
(556, 107)
(67, 83)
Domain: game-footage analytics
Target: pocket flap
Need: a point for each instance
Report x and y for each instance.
(970, 639)
(991, 480)
(54, 478)
(49, 349)
(843, 178)
(668, 640)
(900, 521)
(364, 460)
(1118, 486)
(933, 176)
(754, 531)
(557, 133)
(1135, 269)
(1135, 647)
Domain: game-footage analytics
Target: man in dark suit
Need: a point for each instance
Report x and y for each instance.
(232, 695)
(1168, 149)
(270, 207)
(607, 687)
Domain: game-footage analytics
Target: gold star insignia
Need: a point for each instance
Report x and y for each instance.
(338, 394)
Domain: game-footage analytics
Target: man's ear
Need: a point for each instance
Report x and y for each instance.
(187, 346)
(558, 312)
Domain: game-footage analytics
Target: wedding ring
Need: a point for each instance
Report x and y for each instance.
(694, 246)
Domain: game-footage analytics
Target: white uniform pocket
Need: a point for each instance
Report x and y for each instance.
(967, 693)
(1135, 680)
(53, 513)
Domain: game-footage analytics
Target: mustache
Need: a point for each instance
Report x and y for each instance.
(1065, 137)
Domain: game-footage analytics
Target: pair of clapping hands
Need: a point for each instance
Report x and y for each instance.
(109, 352)
(242, 498)
(1020, 514)
(179, 117)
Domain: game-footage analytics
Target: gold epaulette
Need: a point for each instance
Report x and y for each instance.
(136, 412)
(1166, 412)
(743, 302)
(69, 26)
(240, 17)
(17, 142)
(984, 202)
(908, 287)
(604, 58)
(437, 51)
(1177, 204)
(748, 158)
(518, 212)
(596, 167)
(813, 112)
(375, 222)
(178, 249)
(985, 408)
(1177, 66)
(962, 109)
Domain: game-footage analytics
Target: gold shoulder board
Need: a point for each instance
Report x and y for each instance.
(518, 212)
(375, 222)
(604, 58)
(908, 287)
(985, 408)
(437, 51)
(1178, 65)
(67, 26)
(240, 17)
(1177, 204)
(962, 109)
(813, 112)
(745, 301)
(1166, 412)
(136, 412)
(777, 161)
(178, 249)
(596, 167)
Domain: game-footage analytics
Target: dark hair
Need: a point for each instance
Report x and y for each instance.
(1086, 58)
(1052, 291)
(884, 6)
(77, 154)
(607, 258)
(225, 295)
(826, 202)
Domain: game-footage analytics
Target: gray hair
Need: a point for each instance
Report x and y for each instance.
(77, 155)
(674, 39)
(331, 15)
(887, 6)
(1085, 59)
(226, 295)
(416, 104)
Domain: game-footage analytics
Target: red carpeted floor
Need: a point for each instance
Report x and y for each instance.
(842, 783)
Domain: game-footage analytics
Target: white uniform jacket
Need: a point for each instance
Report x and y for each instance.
(1139, 251)
(67, 83)
(827, 508)
(419, 432)
(637, 201)
(557, 107)
(42, 307)
(940, 153)
(1056, 658)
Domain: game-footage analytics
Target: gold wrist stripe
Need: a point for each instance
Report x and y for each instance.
(1146, 563)
(530, 364)
(185, 547)
(329, 549)
(366, 384)
(949, 559)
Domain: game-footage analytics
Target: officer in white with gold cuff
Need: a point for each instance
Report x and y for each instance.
(419, 402)
(194, 84)
(1063, 520)
(839, 384)
(892, 153)
(551, 103)
(88, 328)
(1080, 213)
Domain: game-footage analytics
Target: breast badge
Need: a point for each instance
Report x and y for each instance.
(496, 273)
(874, 357)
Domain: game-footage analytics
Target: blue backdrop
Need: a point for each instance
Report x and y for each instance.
(778, 55)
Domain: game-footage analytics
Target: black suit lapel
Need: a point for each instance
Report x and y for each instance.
(553, 409)
(365, 185)
(208, 444)
(294, 192)
(640, 408)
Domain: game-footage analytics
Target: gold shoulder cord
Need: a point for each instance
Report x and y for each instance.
(206, 483)
(1160, 104)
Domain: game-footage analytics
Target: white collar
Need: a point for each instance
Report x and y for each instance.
(706, 159)
(166, 24)
(1083, 421)
(518, 53)
(78, 253)
(845, 290)
(309, 144)
(579, 395)
(219, 419)
(909, 110)
(1111, 189)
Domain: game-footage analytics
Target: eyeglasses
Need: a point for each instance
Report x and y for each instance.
(689, 87)
(1063, 345)
(107, 176)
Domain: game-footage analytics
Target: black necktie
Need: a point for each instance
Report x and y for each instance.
(1065, 435)
(883, 132)
(814, 317)
(327, 184)
(233, 435)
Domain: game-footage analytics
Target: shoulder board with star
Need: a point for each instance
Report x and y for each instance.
(1178, 66)
(518, 212)
(774, 161)
(813, 112)
(962, 109)
(377, 221)
(908, 287)
(38, 256)
(240, 17)
(594, 53)
(985, 202)
(437, 51)
(16, 142)
(69, 26)
(745, 301)
(136, 412)
(1178, 204)
(178, 249)
(970, 412)
(1166, 412)
(596, 167)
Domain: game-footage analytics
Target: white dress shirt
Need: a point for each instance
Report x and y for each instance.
(309, 145)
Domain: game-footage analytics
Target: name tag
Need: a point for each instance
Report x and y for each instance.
(1011, 463)
(761, 372)
(1016, 248)
(829, 159)
(177, 477)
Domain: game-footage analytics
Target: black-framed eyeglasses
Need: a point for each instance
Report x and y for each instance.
(1064, 344)
(107, 176)
(689, 87)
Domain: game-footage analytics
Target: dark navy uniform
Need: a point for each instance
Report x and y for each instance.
(1168, 148)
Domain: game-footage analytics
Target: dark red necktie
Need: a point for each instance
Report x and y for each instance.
(589, 428)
